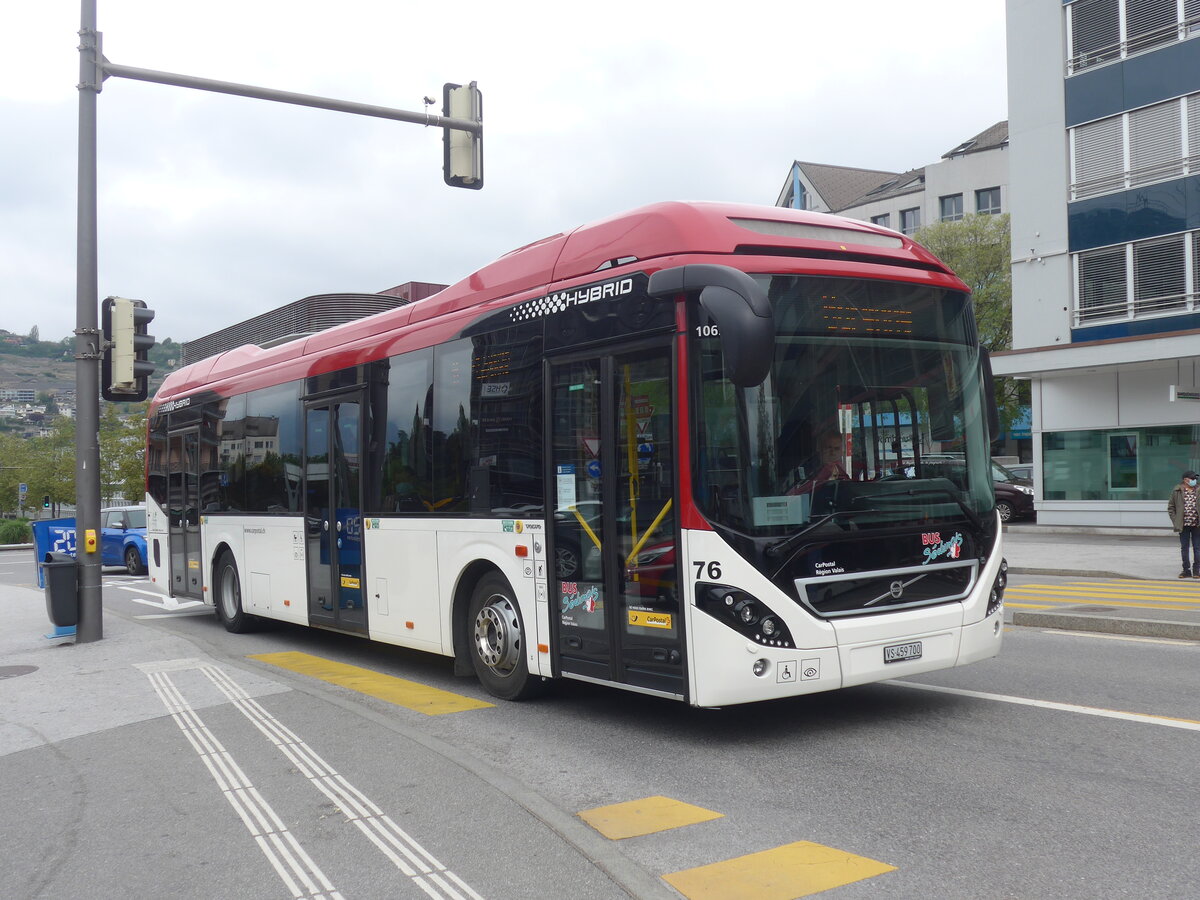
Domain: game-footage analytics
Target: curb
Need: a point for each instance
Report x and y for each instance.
(1133, 627)
(1074, 573)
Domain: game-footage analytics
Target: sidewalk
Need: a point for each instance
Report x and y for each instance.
(1149, 554)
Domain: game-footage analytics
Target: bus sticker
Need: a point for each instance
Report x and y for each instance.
(643, 618)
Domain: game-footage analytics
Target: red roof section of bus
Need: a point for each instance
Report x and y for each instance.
(651, 232)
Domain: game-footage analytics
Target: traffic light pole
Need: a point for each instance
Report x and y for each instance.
(463, 167)
(87, 339)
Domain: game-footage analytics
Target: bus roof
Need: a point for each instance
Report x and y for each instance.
(649, 232)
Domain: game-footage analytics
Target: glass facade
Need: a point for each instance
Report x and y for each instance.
(1117, 463)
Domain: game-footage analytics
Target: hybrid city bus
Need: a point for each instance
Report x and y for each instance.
(678, 451)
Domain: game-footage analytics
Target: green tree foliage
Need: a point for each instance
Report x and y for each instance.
(977, 248)
(122, 450)
(47, 464)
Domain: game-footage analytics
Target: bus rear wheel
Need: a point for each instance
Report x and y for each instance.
(497, 641)
(228, 598)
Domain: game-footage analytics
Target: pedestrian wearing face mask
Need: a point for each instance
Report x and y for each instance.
(1181, 507)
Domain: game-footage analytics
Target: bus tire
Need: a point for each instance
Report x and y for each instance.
(227, 585)
(496, 636)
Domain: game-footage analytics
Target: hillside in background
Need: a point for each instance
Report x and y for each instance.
(49, 366)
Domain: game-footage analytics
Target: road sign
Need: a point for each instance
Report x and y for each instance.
(23, 490)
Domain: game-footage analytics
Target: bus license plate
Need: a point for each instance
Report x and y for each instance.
(898, 652)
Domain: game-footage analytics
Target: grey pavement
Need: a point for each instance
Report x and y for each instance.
(72, 712)
(93, 763)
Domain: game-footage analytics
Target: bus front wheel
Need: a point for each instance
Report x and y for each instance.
(229, 596)
(497, 641)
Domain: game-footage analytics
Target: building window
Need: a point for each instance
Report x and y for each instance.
(884, 221)
(1155, 143)
(1103, 287)
(1139, 280)
(987, 201)
(950, 208)
(1160, 284)
(1135, 148)
(1121, 464)
(1095, 28)
(910, 220)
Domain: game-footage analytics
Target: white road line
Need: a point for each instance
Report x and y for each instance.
(159, 594)
(167, 603)
(178, 614)
(1121, 637)
(282, 850)
(1165, 721)
(405, 853)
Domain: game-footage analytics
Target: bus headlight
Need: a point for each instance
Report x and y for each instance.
(996, 597)
(760, 667)
(744, 613)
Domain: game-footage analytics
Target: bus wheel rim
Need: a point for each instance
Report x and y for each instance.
(498, 635)
(229, 593)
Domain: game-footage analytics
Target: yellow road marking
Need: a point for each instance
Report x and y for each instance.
(418, 697)
(1109, 591)
(1028, 605)
(1102, 601)
(646, 816)
(793, 870)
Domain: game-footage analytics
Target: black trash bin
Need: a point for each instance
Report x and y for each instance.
(62, 591)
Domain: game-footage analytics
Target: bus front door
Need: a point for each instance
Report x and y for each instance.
(333, 515)
(614, 582)
(183, 513)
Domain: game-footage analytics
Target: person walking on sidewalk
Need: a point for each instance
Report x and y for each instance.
(1181, 507)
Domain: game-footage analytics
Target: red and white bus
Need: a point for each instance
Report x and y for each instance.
(599, 458)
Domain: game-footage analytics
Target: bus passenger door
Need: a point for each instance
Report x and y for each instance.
(333, 514)
(183, 513)
(614, 583)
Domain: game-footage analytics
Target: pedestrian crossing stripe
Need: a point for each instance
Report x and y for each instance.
(800, 869)
(1135, 594)
(421, 698)
(646, 816)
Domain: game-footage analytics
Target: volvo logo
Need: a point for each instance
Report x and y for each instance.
(896, 589)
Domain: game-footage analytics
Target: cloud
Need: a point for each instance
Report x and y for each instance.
(217, 208)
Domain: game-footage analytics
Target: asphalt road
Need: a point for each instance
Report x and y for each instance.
(1065, 767)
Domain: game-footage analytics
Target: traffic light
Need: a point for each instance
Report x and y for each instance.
(462, 164)
(126, 367)
(45, 501)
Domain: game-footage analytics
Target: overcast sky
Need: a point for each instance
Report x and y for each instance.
(215, 208)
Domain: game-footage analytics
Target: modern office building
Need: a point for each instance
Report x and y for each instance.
(971, 178)
(1104, 196)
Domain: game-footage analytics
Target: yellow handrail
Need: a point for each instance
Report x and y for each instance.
(653, 525)
(586, 527)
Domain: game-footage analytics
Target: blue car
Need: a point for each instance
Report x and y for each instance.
(123, 538)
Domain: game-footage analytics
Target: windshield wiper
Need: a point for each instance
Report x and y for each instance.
(783, 545)
(946, 492)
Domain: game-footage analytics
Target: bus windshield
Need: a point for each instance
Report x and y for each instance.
(870, 417)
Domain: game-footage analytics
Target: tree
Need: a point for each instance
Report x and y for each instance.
(122, 441)
(977, 248)
(33, 334)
